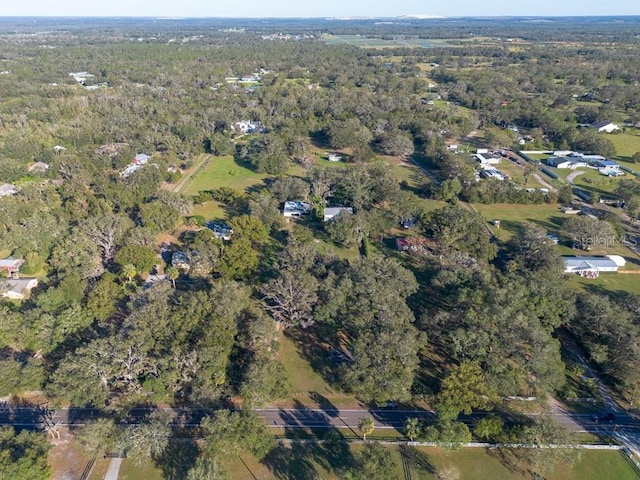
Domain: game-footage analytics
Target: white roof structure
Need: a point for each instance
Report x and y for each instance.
(487, 158)
(579, 264)
(141, 158)
(620, 261)
(332, 212)
(7, 189)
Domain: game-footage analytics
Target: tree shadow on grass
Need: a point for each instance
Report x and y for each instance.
(509, 458)
(316, 347)
(179, 457)
(292, 463)
(419, 459)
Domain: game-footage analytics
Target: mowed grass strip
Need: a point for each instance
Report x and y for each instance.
(626, 143)
(223, 172)
(513, 217)
(331, 461)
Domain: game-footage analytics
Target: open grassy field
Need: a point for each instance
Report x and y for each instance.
(303, 378)
(372, 42)
(516, 173)
(137, 470)
(223, 172)
(626, 143)
(513, 217)
(610, 284)
(593, 181)
(209, 210)
(329, 461)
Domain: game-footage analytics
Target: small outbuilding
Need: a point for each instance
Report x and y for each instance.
(605, 127)
(332, 212)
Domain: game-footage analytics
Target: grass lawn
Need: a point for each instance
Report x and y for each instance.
(145, 469)
(223, 172)
(594, 181)
(209, 210)
(304, 379)
(611, 284)
(100, 469)
(481, 464)
(330, 461)
(626, 143)
(408, 172)
(512, 217)
(516, 173)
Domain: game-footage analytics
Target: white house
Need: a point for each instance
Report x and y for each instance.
(246, 126)
(295, 209)
(593, 266)
(19, 288)
(129, 170)
(335, 157)
(11, 265)
(486, 159)
(566, 162)
(605, 127)
(141, 159)
(331, 212)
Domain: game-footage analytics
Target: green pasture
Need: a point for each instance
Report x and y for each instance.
(330, 460)
(626, 144)
(593, 181)
(223, 172)
(512, 217)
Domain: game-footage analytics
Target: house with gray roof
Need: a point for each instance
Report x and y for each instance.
(19, 288)
(590, 266)
(331, 212)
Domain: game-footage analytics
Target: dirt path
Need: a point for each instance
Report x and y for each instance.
(199, 164)
(543, 182)
(572, 176)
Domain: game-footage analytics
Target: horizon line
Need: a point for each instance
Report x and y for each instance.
(326, 17)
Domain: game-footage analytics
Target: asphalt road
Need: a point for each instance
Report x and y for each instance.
(28, 417)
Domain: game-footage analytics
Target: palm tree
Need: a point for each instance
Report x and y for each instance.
(412, 428)
(129, 271)
(172, 274)
(366, 426)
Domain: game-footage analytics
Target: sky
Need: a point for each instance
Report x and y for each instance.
(316, 8)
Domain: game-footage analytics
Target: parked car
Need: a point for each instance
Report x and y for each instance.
(608, 417)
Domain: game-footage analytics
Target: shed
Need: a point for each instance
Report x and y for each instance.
(331, 212)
